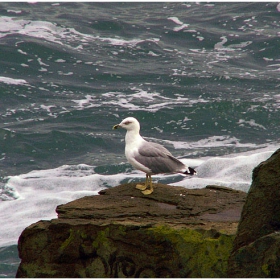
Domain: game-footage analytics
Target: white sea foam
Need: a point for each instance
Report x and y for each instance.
(60, 35)
(212, 142)
(232, 47)
(122, 42)
(251, 122)
(38, 193)
(134, 100)
(233, 172)
(88, 102)
(175, 20)
(180, 23)
(11, 81)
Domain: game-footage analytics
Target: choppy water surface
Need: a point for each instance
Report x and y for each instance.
(202, 79)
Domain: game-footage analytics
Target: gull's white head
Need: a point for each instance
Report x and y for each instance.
(130, 124)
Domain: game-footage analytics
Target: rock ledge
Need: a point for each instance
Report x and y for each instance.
(175, 232)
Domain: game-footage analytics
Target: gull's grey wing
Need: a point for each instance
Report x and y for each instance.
(158, 159)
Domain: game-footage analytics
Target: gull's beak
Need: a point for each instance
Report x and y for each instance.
(116, 126)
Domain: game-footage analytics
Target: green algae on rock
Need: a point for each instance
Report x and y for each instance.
(203, 253)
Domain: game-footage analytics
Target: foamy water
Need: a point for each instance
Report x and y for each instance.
(35, 195)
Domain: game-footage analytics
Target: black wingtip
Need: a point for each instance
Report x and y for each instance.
(190, 171)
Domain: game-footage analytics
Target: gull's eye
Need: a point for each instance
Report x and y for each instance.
(127, 123)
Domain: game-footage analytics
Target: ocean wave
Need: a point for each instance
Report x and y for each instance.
(38, 192)
(12, 81)
(213, 142)
(234, 172)
(60, 35)
(154, 101)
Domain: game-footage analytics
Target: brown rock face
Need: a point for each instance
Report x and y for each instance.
(256, 251)
(173, 205)
(175, 232)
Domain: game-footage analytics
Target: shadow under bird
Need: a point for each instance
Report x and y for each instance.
(151, 158)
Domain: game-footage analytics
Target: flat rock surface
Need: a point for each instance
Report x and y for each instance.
(211, 207)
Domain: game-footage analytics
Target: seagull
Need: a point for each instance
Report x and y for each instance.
(149, 157)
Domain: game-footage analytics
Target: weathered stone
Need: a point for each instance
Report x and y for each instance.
(259, 259)
(175, 232)
(256, 251)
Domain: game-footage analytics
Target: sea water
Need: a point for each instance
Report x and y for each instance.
(202, 79)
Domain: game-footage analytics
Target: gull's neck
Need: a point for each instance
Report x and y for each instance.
(133, 137)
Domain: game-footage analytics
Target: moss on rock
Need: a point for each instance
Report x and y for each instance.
(202, 253)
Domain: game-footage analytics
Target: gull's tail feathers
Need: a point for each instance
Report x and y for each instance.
(190, 171)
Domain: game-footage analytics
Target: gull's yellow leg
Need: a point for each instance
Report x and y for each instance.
(143, 187)
(146, 192)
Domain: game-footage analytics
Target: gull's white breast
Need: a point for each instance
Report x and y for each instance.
(131, 150)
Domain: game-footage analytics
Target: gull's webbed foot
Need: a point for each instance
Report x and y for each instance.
(141, 187)
(146, 192)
